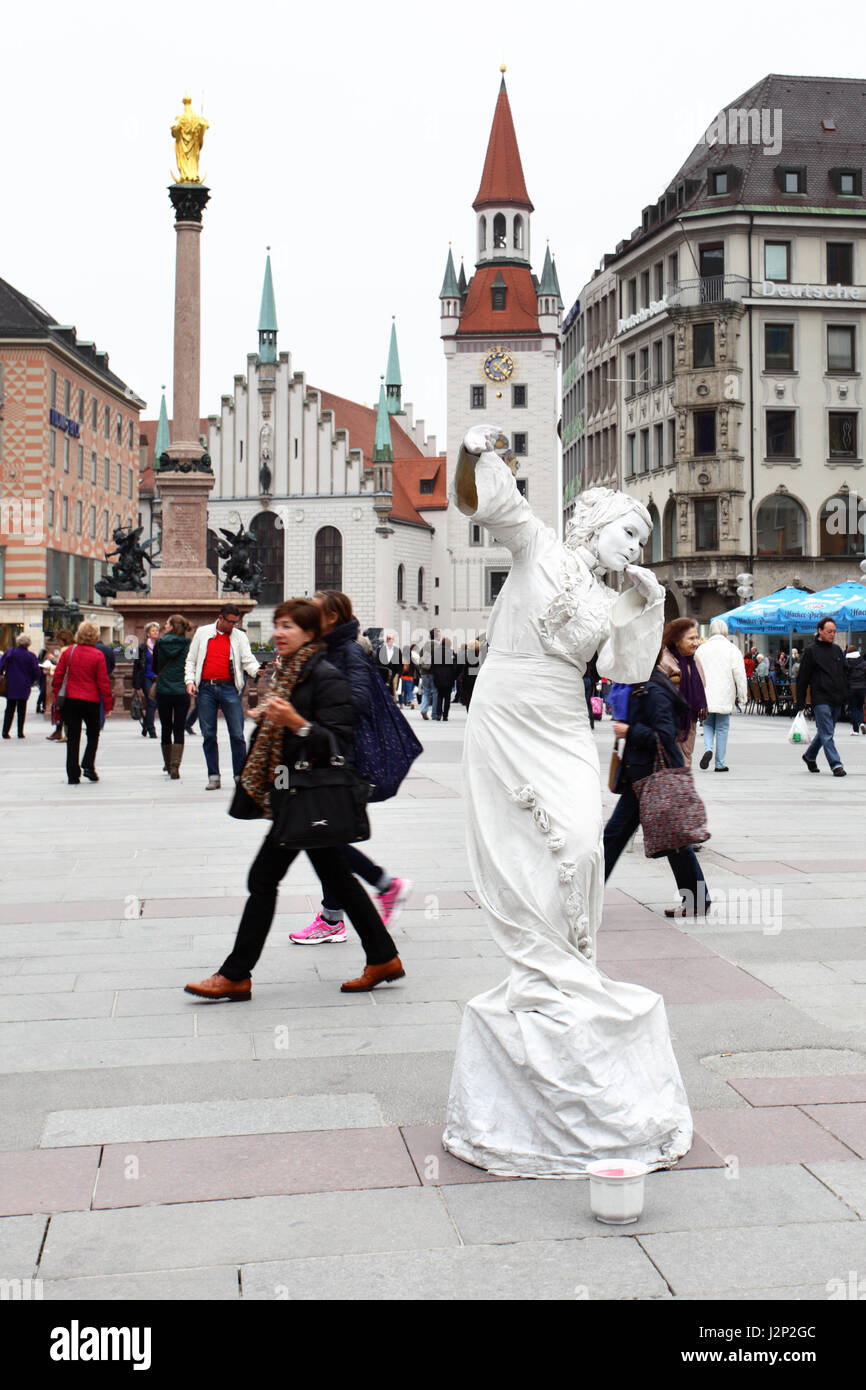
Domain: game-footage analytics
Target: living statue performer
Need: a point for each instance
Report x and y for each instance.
(558, 1065)
(188, 132)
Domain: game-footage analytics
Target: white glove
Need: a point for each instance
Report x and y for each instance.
(645, 582)
(483, 439)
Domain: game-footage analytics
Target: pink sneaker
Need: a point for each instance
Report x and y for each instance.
(318, 932)
(393, 900)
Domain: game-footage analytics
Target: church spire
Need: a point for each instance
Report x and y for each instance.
(449, 288)
(163, 439)
(393, 383)
(268, 318)
(382, 450)
(502, 180)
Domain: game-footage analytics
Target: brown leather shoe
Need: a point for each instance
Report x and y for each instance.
(374, 975)
(218, 987)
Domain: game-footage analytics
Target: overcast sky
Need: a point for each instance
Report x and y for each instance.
(351, 138)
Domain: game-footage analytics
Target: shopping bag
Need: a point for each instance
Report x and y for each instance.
(672, 814)
(799, 731)
(597, 706)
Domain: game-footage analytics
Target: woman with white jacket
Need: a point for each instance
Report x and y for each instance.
(724, 675)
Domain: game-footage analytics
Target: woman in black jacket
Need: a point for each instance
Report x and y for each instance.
(312, 701)
(655, 710)
(340, 632)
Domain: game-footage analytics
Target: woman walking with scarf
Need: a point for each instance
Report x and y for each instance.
(310, 700)
(680, 641)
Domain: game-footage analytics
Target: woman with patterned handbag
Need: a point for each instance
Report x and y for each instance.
(308, 716)
(656, 714)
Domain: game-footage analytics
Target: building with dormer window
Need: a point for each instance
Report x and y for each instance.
(739, 347)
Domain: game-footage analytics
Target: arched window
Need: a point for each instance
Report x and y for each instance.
(420, 587)
(518, 233)
(655, 540)
(400, 582)
(329, 558)
(842, 526)
(270, 554)
(781, 526)
(482, 234)
(669, 531)
(499, 231)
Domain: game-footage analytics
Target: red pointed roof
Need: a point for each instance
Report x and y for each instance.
(502, 180)
(520, 314)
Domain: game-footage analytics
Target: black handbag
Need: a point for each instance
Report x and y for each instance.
(320, 806)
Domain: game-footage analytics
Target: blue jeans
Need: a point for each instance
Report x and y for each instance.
(213, 697)
(716, 727)
(428, 693)
(684, 862)
(407, 692)
(357, 863)
(825, 720)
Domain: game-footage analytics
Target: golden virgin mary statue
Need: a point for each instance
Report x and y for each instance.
(188, 131)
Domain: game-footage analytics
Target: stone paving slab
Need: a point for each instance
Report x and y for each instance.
(208, 1119)
(640, 944)
(678, 1200)
(60, 1032)
(47, 1182)
(790, 1062)
(16, 1008)
(364, 1015)
(707, 1262)
(21, 1240)
(562, 1270)
(255, 1165)
(777, 1134)
(129, 1239)
(801, 1090)
(434, 1165)
(847, 1180)
(704, 981)
(119, 1052)
(338, 1042)
(846, 1122)
(211, 1284)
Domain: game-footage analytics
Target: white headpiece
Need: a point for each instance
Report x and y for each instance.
(594, 508)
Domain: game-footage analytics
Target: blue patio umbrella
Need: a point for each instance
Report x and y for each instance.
(844, 603)
(765, 614)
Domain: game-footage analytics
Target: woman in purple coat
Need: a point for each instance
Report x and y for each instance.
(21, 670)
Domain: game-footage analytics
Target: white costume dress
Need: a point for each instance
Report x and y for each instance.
(558, 1065)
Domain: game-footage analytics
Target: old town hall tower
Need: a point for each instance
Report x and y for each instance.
(501, 336)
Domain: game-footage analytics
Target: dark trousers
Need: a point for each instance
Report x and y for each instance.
(359, 864)
(13, 707)
(684, 862)
(173, 710)
(268, 869)
(856, 699)
(76, 713)
(443, 702)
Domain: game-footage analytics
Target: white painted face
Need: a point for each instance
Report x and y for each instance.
(620, 542)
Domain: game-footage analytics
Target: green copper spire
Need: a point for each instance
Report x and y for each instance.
(382, 451)
(268, 318)
(449, 288)
(549, 283)
(393, 383)
(163, 440)
(556, 283)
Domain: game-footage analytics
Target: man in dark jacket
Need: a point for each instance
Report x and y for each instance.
(444, 675)
(855, 670)
(822, 675)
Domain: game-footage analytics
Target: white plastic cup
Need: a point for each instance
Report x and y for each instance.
(616, 1190)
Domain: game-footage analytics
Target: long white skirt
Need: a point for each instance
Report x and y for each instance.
(559, 1064)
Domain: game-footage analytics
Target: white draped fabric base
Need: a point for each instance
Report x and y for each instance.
(559, 1064)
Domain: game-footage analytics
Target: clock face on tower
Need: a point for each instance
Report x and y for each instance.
(498, 365)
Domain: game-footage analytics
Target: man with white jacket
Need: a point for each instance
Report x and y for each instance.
(217, 664)
(724, 675)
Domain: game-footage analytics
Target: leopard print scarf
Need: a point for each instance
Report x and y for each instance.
(266, 754)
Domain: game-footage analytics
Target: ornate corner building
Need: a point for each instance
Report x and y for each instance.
(713, 363)
(500, 332)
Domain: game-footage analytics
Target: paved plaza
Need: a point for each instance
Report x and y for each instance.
(158, 1147)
